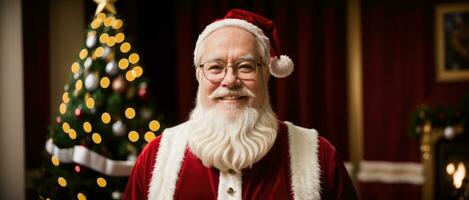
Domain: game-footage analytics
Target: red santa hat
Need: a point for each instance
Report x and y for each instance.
(265, 32)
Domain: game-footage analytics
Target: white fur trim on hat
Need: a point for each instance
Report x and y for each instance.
(281, 67)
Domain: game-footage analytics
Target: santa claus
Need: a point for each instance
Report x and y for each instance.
(233, 146)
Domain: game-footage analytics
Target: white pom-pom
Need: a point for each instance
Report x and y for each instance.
(281, 67)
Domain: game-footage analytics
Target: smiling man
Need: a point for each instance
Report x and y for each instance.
(233, 146)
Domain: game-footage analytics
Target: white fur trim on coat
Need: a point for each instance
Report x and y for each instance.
(168, 162)
(304, 164)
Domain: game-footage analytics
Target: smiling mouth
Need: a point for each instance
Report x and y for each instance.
(232, 98)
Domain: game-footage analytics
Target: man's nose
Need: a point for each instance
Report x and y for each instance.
(231, 79)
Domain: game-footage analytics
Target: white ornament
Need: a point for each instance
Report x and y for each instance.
(116, 195)
(77, 75)
(111, 68)
(118, 128)
(66, 87)
(449, 132)
(91, 40)
(91, 82)
(106, 52)
(87, 63)
(132, 157)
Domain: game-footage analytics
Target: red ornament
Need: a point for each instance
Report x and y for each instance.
(143, 93)
(78, 112)
(77, 168)
(58, 120)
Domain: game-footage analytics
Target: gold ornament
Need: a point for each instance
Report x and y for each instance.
(83, 54)
(108, 21)
(65, 127)
(95, 24)
(133, 136)
(130, 113)
(125, 47)
(103, 38)
(81, 196)
(130, 75)
(154, 125)
(120, 37)
(111, 41)
(55, 160)
(62, 182)
(96, 138)
(78, 85)
(104, 82)
(138, 71)
(63, 108)
(75, 67)
(123, 63)
(65, 97)
(87, 127)
(89, 103)
(101, 182)
(117, 24)
(105, 4)
(106, 118)
(133, 58)
(149, 136)
(99, 52)
(101, 17)
(72, 134)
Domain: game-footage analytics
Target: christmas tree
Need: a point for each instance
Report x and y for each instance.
(105, 119)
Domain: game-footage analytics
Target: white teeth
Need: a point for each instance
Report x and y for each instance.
(230, 97)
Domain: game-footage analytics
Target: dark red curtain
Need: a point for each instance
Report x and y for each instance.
(312, 34)
(398, 76)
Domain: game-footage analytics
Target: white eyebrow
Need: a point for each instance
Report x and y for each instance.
(244, 57)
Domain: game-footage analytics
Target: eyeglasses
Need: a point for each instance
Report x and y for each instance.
(215, 71)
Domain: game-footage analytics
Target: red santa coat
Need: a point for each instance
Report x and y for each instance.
(300, 165)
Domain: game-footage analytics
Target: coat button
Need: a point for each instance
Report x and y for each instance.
(231, 171)
(230, 191)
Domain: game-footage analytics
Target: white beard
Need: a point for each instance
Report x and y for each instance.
(227, 142)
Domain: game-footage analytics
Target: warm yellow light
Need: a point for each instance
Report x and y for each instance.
(96, 138)
(123, 63)
(120, 37)
(149, 136)
(108, 21)
(154, 125)
(99, 52)
(90, 103)
(106, 118)
(75, 67)
(459, 175)
(81, 196)
(130, 113)
(133, 58)
(65, 127)
(130, 75)
(62, 108)
(72, 134)
(65, 97)
(101, 182)
(117, 24)
(138, 71)
(95, 24)
(450, 169)
(103, 38)
(101, 17)
(83, 54)
(111, 41)
(133, 136)
(55, 160)
(87, 127)
(78, 85)
(104, 82)
(125, 47)
(62, 182)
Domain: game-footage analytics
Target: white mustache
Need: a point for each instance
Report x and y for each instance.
(223, 92)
